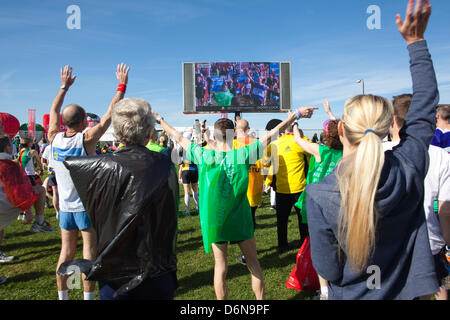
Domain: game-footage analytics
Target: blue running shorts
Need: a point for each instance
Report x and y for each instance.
(74, 220)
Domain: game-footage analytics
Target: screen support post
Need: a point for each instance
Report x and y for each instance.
(237, 116)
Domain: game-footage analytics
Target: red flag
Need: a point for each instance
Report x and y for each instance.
(31, 122)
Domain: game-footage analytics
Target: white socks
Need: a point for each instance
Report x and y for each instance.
(196, 199)
(64, 295)
(272, 197)
(187, 201)
(324, 291)
(89, 295)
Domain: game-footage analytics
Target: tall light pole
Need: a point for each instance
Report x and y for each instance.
(361, 81)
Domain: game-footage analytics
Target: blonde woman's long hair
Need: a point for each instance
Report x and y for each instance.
(366, 121)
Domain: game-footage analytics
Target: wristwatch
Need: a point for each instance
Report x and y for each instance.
(158, 120)
(64, 87)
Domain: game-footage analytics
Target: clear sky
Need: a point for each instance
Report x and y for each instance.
(327, 42)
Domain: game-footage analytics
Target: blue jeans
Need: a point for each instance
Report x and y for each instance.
(160, 288)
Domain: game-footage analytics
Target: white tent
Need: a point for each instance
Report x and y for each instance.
(108, 136)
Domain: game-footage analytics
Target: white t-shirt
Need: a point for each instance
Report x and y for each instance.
(47, 155)
(437, 186)
(63, 147)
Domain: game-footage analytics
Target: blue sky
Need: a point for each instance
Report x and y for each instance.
(327, 42)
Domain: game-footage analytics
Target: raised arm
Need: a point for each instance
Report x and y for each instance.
(309, 147)
(304, 112)
(174, 134)
(326, 105)
(418, 129)
(93, 135)
(55, 110)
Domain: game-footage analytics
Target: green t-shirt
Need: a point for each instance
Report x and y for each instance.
(223, 98)
(154, 147)
(317, 171)
(225, 213)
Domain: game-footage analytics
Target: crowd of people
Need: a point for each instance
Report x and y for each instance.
(237, 84)
(374, 190)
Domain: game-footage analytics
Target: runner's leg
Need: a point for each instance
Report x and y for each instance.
(39, 205)
(220, 270)
(248, 248)
(195, 193)
(187, 197)
(68, 248)
(89, 253)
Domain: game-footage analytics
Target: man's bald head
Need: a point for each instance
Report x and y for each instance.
(242, 124)
(73, 115)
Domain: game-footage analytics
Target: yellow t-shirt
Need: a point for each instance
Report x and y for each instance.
(255, 184)
(289, 158)
(255, 178)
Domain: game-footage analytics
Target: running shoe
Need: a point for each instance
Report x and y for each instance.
(241, 259)
(44, 227)
(2, 279)
(5, 258)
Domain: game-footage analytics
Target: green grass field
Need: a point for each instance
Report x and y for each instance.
(31, 276)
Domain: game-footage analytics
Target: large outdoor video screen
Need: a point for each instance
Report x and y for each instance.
(237, 86)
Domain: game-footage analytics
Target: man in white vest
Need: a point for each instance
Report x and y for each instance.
(75, 143)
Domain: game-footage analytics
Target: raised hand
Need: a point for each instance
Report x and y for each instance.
(414, 26)
(122, 73)
(306, 112)
(326, 106)
(66, 76)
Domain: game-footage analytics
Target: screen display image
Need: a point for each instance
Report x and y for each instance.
(240, 86)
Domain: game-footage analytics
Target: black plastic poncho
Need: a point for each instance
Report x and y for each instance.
(131, 199)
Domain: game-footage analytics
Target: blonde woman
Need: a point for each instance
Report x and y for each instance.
(366, 220)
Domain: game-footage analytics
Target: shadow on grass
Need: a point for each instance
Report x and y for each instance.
(15, 235)
(191, 244)
(31, 276)
(20, 259)
(30, 244)
(206, 278)
(265, 226)
(265, 216)
(303, 295)
(294, 245)
(186, 231)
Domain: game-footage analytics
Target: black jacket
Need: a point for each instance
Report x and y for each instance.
(131, 199)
